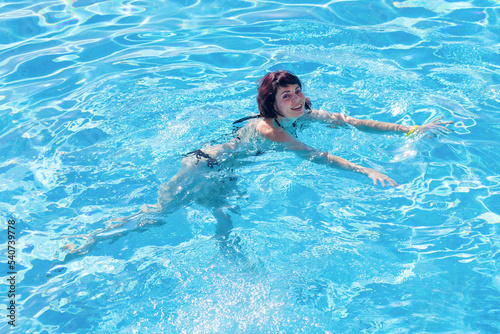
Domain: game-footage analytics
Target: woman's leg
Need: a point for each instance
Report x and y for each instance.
(227, 241)
(172, 195)
(116, 227)
(210, 188)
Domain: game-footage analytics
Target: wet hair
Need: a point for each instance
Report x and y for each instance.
(268, 87)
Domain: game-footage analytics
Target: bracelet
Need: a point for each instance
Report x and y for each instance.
(411, 131)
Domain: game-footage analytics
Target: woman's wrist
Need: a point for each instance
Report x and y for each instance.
(360, 169)
(405, 128)
(411, 130)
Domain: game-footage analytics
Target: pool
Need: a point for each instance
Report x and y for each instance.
(99, 101)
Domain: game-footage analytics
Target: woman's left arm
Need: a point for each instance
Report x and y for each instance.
(369, 125)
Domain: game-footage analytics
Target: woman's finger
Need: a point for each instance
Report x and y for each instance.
(444, 130)
(391, 181)
(435, 127)
(441, 128)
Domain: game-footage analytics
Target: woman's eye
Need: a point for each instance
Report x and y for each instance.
(286, 96)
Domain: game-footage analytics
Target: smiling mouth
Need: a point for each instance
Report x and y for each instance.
(297, 108)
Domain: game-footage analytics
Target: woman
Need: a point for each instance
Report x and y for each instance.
(206, 176)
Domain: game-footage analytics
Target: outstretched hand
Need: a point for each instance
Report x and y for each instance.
(435, 125)
(375, 175)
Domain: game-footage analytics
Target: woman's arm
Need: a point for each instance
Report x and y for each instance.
(308, 153)
(334, 161)
(376, 126)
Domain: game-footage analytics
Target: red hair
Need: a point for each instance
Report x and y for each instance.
(268, 86)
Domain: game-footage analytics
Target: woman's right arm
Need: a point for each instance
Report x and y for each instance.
(369, 125)
(320, 157)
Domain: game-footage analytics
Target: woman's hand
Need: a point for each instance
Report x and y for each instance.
(434, 125)
(375, 175)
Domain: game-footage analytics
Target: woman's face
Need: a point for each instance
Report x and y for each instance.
(290, 101)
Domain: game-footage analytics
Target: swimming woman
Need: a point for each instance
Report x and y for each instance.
(206, 176)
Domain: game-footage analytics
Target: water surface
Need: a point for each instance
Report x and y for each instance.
(100, 100)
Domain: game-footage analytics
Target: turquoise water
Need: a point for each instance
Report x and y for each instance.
(100, 100)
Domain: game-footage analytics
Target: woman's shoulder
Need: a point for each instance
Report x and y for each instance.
(264, 126)
(267, 129)
(251, 130)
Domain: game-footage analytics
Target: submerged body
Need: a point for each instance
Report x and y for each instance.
(207, 176)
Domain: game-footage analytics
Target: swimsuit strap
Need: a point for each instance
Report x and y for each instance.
(245, 119)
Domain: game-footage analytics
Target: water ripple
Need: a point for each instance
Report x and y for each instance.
(99, 100)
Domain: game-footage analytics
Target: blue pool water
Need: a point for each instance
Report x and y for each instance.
(99, 100)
